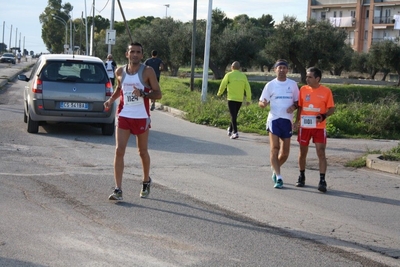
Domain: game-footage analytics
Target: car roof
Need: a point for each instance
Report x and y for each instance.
(50, 57)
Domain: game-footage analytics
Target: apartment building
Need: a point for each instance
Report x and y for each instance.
(366, 21)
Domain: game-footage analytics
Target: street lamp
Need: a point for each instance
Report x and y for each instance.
(70, 29)
(66, 27)
(166, 9)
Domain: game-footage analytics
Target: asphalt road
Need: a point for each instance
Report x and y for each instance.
(212, 204)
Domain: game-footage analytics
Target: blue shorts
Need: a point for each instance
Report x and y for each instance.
(280, 127)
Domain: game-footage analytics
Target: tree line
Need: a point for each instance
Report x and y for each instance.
(254, 42)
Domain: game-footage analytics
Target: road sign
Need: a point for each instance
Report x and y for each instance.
(110, 37)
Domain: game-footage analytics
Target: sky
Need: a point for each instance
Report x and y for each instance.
(21, 20)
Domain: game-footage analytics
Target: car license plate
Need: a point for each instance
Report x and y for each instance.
(74, 105)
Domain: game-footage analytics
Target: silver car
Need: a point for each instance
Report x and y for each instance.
(68, 88)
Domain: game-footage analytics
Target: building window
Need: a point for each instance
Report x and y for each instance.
(334, 14)
(323, 15)
(340, 14)
(366, 35)
(353, 14)
(367, 13)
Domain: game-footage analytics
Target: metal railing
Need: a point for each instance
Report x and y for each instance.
(383, 20)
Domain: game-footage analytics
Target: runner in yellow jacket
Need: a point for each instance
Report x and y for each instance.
(238, 86)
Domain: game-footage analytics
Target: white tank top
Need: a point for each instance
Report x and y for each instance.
(110, 69)
(131, 106)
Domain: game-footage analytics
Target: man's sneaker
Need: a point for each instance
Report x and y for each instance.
(145, 189)
(153, 106)
(273, 175)
(235, 136)
(116, 195)
(279, 183)
(322, 186)
(229, 131)
(301, 182)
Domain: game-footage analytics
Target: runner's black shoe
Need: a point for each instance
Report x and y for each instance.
(145, 189)
(116, 195)
(301, 181)
(322, 186)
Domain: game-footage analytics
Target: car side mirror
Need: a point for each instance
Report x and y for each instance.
(22, 77)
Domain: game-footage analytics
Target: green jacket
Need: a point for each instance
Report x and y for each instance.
(237, 85)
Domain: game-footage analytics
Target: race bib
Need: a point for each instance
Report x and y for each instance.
(308, 121)
(130, 99)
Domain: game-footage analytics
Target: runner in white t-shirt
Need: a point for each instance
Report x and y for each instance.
(282, 94)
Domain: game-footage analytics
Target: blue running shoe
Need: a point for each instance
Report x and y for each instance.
(279, 184)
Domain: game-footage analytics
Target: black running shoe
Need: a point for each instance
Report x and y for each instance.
(322, 186)
(145, 189)
(116, 195)
(301, 181)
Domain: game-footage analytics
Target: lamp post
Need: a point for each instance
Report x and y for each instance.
(70, 29)
(166, 10)
(60, 19)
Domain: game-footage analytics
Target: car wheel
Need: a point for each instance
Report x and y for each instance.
(108, 128)
(33, 126)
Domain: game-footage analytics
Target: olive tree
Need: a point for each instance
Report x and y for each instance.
(306, 44)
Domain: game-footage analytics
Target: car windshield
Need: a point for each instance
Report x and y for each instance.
(76, 71)
(8, 55)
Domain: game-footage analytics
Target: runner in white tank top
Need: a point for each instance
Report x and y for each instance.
(136, 84)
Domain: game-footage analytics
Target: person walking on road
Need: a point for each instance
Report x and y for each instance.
(281, 94)
(315, 105)
(158, 66)
(134, 81)
(237, 86)
(111, 66)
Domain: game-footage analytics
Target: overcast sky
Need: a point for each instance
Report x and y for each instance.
(23, 16)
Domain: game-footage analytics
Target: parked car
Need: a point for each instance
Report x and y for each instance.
(7, 58)
(68, 88)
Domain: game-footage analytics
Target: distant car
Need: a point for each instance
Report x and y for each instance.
(7, 58)
(68, 88)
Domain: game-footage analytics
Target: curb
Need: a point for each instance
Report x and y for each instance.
(173, 111)
(374, 161)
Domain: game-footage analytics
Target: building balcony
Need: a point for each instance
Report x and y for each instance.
(383, 20)
(387, 38)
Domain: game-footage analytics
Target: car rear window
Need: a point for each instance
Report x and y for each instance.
(75, 71)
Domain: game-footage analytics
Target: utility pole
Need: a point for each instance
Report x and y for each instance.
(86, 32)
(4, 25)
(92, 32)
(193, 59)
(16, 36)
(10, 38)
(111, 22)
(206, 54)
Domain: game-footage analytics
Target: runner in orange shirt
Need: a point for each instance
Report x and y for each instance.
(315, 105)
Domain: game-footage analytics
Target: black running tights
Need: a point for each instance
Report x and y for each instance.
(234, 108)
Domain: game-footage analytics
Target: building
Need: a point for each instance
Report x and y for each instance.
(366, 21)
